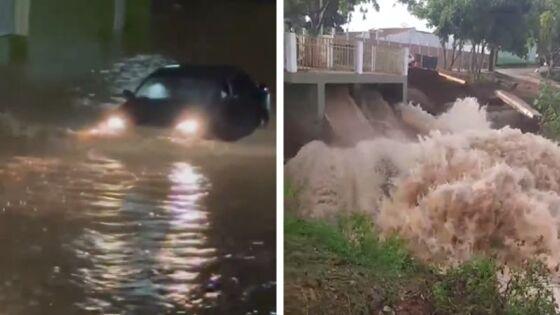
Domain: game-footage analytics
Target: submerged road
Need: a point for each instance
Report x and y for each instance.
(140, 224)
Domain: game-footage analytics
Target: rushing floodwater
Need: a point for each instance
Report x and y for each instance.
(141, 224)
(85, 232)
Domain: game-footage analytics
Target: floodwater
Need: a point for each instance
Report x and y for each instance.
(139, 224)
(144, 223)
(459, 190)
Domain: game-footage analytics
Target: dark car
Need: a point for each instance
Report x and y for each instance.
(212, 102)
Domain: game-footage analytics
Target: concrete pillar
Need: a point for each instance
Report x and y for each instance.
(320, 102)
(7, 10)
(359, 57)
(406, 52)
(330, 53)
(119, 16)
(21, 13)
(405, 92)
(290, 53)
(373, 58)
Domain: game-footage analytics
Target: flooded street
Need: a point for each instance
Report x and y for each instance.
(129, 231)
(142, 223)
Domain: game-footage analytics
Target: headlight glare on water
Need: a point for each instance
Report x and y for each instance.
(116, 124)
(112, 126)
(188, 127)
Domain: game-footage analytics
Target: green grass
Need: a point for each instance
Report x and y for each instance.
(345, 268)
(474, 288)
(354, 240)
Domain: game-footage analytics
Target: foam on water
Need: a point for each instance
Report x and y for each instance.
(459, 190)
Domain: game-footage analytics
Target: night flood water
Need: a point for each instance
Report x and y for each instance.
(144, 223)
(109, 232)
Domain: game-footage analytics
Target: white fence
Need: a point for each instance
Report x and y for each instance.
(342, 54)
(462, 62)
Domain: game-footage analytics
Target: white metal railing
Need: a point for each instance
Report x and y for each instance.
(304, 53)
(325, 53)
(385, 59)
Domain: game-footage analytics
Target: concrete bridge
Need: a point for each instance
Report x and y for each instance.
(315, 65)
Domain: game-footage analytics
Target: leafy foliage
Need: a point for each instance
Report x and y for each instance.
(494, 24)
(345, 268)
(468, 289)
(548, 104)
(548, 36)
(474, 288)
(317, 15)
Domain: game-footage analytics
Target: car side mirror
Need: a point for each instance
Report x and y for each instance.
(128, 94)
(263, 88)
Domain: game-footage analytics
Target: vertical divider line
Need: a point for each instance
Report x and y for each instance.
(279, 157)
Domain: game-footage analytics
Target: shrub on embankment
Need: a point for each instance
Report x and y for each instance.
(548, 104)
(345, 268)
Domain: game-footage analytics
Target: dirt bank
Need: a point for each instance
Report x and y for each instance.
(435, 94)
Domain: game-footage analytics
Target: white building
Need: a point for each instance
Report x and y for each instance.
(407, 36)
(411, 36)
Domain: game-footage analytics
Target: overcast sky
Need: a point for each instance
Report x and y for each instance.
(390, 14)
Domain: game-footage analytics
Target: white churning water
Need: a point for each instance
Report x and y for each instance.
(459, 189)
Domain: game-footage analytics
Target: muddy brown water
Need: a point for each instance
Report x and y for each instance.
(144, 223)
(126, 231)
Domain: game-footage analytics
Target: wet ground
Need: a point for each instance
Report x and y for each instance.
(140, 224)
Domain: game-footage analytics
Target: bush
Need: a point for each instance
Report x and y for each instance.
(347, 268)
(355, 241)
(548, 104)
(474, 288)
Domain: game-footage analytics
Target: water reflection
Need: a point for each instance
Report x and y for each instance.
(146, 245)
(125, 242)
(149, 226)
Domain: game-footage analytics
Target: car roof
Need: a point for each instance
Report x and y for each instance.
(198, 71)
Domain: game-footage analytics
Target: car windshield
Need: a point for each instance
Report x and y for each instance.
(180, 88)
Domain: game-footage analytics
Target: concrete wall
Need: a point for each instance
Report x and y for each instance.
(66, 39)
(301, 123)
(7, 17)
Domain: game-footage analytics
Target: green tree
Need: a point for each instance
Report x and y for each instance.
(447, 18)
(318, 15)
(548, 34)
(484, 24)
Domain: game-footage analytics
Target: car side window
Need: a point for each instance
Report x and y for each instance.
(155, 89)
(241, 85)
(196, 89)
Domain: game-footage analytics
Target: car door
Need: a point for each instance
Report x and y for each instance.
(155, 102)
(248, 98)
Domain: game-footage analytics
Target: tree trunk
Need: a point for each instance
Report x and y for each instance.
(444, 55)
(482, 55)
(456, 55)
(492, 59)
(453, 52)
(473, 59)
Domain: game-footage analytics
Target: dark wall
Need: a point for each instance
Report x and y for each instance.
(68, 37)
(239, 32)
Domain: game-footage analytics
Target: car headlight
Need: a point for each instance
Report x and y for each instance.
(112, 126)
(188, 127)
(116, 124)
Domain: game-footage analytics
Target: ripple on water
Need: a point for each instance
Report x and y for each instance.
(142, 240)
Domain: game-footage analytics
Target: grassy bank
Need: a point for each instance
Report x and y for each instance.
(345, 268)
